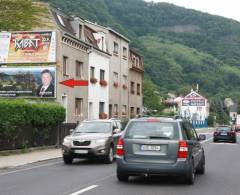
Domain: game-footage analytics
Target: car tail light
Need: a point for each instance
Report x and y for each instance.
(232, 133)
(183, 149)
(216, 133)
(120, 149)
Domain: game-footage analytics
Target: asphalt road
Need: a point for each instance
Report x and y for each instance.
(90, 177)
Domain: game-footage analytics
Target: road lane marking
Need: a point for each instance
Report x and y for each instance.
(207, 140)
(27, 169)
(84, 190)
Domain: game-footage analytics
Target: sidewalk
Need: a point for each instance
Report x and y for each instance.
(31, 157)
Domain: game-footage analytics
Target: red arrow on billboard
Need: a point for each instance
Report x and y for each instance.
(73, 83)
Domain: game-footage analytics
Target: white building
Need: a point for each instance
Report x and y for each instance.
(98, 94)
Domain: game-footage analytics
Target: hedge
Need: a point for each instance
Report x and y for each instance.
(28, 123)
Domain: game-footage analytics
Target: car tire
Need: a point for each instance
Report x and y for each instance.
(110, 157)
(122, 176)
(234, 141)
(67, 159)
(214, 140)
(201, 167)
(190, 177)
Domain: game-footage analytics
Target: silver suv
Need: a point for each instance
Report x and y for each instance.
(161, 146)
(90, 139)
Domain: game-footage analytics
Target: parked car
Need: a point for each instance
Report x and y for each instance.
(225, 133)
(160, 146)
(92, 139)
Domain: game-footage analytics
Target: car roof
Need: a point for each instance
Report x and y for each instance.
(98, 120)
(160, 119)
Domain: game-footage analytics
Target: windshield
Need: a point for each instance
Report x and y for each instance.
(93, 127)
(224, 128)
(152, 130)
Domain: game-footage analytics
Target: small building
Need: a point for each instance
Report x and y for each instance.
(194, 107)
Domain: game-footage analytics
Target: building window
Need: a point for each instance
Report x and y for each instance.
(115, 109)
(80, 31)
(133, 60)
(132, 88)
(92, 72)
(124, 110)
(138, 111)
(138, 89)
(79, 69)
(65, 66)
(124, 52)
(102, 74)
(115, 77)
(101, 107)
(132, 112)
(115, 48)
(137, 62)
(124, 79)
(78, 106)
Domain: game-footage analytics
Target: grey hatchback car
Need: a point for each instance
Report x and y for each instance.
(160, 146)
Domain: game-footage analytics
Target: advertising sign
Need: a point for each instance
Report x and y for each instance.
(193, 102)
(35, 81)
(28, 47)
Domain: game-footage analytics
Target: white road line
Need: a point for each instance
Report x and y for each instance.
(84, 190)
(27, 169)
(207, 140)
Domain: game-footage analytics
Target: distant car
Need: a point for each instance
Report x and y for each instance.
(225, 133)
(92, 139)
(160, 146)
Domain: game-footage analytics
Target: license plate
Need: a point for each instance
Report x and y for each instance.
(223, 133)
(81, 151)
(150, 148)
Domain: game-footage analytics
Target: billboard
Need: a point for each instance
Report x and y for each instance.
(37, 81)
(27, 47)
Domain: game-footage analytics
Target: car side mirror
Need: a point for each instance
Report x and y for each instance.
(201, 137)
(71, 131)
(115, 131)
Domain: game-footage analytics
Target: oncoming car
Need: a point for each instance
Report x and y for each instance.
(92, 139)
(160, 146)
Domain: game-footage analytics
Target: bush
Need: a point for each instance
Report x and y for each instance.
(25, 123)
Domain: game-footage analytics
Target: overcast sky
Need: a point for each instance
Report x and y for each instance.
(226, 8)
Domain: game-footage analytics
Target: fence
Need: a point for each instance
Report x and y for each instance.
(29, 136)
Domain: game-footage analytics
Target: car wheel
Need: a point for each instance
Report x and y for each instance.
(234, 141)
(214, 140)
(191, 174)
(201, 166)
(122, 176)
(67, 159)
(110, 157)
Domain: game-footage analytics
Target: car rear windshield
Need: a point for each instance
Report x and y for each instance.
(152, 130)
(93, 127)
(224, 128)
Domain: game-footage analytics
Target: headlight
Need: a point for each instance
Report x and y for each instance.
(67, 142)
(101, 141)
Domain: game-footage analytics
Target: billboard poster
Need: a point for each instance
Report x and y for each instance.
(37, 81)
(27, 47)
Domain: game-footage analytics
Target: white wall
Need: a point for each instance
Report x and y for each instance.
(97, 93)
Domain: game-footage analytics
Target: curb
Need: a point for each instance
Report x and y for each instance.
(20, 151)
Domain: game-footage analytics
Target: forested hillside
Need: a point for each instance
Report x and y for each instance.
(181, 47)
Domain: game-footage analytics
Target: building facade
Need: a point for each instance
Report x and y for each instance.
(80, 52)
(136, 73)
